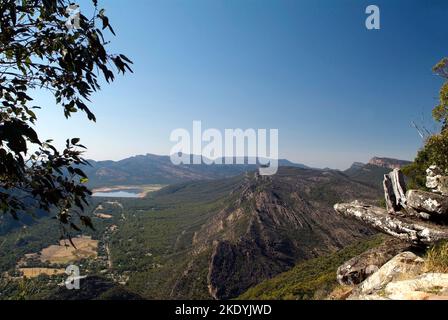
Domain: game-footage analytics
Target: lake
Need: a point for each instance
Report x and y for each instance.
(119, 194)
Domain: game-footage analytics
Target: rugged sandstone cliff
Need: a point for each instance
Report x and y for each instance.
(268, 225)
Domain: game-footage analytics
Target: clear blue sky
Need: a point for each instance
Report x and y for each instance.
(337, 92)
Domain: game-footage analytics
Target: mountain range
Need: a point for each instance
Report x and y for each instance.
(156, 169)
(373, 172)
(388, 163)
(213, 232)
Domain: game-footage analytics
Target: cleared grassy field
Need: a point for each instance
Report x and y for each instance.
(35, 272)
(63, 253)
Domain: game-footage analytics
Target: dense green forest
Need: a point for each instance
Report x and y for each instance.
(153, 235)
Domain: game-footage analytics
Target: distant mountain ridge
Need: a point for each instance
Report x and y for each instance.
(156, 169)
(373, 172)
(389, 163)
(216, 238)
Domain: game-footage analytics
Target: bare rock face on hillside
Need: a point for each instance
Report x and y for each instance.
(268, 225)
(388, 163)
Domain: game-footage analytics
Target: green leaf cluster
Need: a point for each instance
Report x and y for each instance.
(435, 149)
(39, 52)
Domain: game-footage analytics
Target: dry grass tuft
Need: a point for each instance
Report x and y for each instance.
(436, 259)
(341, 292)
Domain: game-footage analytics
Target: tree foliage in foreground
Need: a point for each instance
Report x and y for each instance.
(440, 112)
(48, 45)
(435, 150)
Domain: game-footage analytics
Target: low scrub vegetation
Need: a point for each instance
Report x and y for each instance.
(437, 258)
(312, 279)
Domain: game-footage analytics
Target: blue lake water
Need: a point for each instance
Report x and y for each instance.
(118, 194)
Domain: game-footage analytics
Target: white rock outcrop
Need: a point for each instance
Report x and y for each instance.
(429, 202)
(404, 228)
(415, 216)
(437, 180)
(405, 263)
(403, 278)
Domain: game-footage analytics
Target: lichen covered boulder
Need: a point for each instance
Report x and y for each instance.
(432, 203)
(437, 180)
(405, 264)
(428, 286)
(405, 228)
(357, 269)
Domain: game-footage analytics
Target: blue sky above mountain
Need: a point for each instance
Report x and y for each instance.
(336, 91)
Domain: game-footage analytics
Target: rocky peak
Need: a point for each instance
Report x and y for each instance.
(356, 166)
(388, 163)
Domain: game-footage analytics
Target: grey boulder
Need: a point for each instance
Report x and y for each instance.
(405, 228)
(357, 269)
(437, 180)
(429, 202)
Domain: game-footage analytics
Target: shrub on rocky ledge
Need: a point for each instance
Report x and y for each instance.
(435, 150)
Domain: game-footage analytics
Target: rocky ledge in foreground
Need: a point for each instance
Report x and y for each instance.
(357, 269)
(414, 217)
(403, 278)
(405, 228)
(431, 203)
